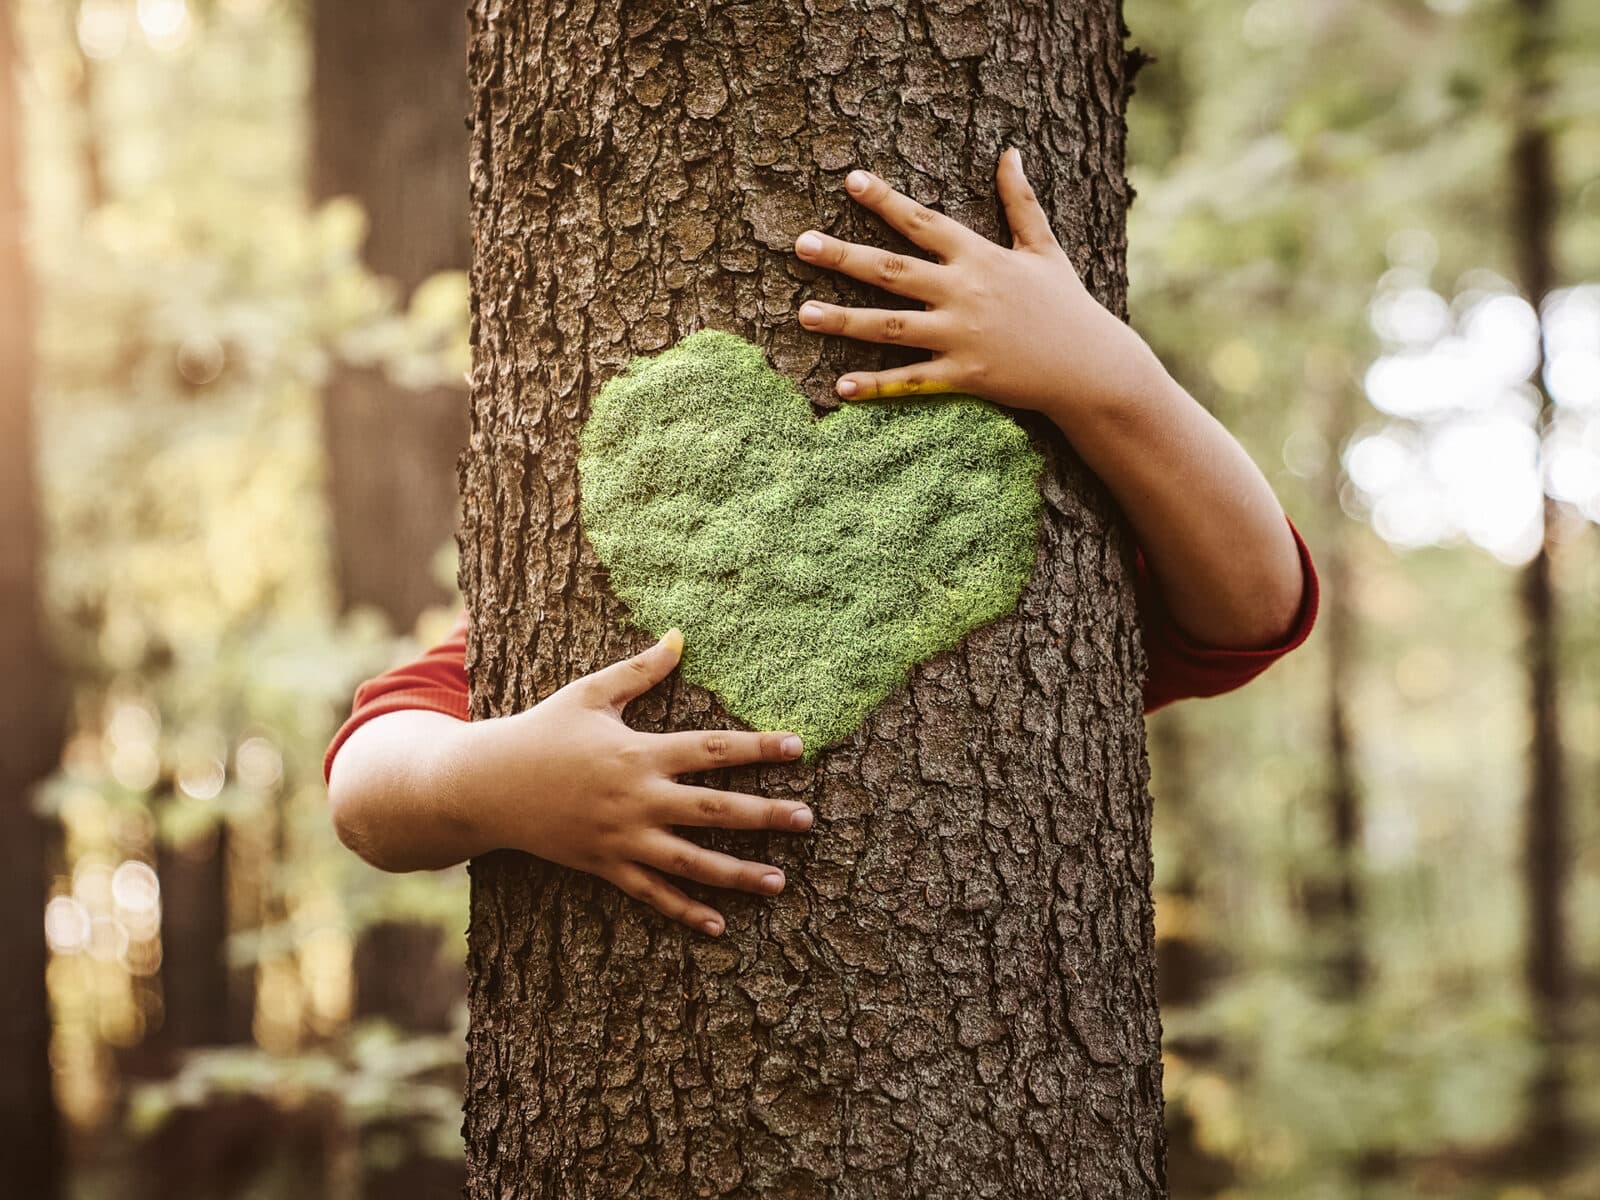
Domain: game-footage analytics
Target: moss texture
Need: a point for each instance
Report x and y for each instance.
(809, 563)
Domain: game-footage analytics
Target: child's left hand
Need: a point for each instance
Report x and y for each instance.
(1014, 326)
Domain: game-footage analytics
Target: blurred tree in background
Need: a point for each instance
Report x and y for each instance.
(30, 708)
(193, 307)
(1379, 944)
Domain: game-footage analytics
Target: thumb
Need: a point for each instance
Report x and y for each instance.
(623, 681)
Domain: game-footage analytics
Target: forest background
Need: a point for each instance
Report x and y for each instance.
(1338, 202)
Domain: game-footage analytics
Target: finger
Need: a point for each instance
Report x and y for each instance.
(897, 273)
(918, 379)
(712, 748)
(1030, 228)
(687, 805)
(681, 857)
(651, 887)
(931, 230)
(894, 326)
(622, 681)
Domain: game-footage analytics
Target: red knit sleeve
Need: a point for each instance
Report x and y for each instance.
(436, 682)
(1181, 667)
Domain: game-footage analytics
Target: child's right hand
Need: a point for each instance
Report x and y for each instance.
(569, 781)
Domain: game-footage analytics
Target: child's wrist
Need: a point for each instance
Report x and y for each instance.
(1132, 383)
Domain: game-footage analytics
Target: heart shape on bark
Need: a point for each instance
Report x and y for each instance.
(810, 563)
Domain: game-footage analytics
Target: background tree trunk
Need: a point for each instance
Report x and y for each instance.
(30, 709)
(1546, 831)
(390, 98)
(201, 1000)
(389, 103)
(389, 109)
(1341, 905)
(955, 995)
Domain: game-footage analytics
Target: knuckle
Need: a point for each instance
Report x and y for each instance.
(894, 328)
(682, 862)
(891, 267)
(716, 746)
(712, 807)
(921, 216)
(631, 756)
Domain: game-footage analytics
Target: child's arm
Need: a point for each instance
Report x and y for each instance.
(566, 780)
(1018, 327)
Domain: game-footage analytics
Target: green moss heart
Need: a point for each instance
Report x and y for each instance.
(811, 564)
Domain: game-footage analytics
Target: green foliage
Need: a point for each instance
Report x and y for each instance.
(809, 563)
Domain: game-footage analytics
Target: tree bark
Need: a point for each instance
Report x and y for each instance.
(955, 995)
(389, 100)
(1546, 833)
(31, 711)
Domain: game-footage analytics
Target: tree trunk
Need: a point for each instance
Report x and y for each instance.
(389, 100)
(30, 709)
(955, 995)
(91, 159)
(1342, 905)
(1546, 832)
(200, 1004)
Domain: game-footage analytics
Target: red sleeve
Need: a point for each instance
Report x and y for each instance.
(1181, 667)
(436, 682)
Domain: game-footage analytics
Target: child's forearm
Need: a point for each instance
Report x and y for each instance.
(389, 795)
(1212, 531)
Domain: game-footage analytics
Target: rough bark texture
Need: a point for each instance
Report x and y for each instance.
(389, 100)
(955, 995)
(30, 715)
(1546, 865)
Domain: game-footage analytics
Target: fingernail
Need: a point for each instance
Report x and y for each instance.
(810, 313)
(673, 639)
(847, 387)
(712, 926)
(808, 243)
(856, 181)
(801, 819)
(791, 746)
(772, 881)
